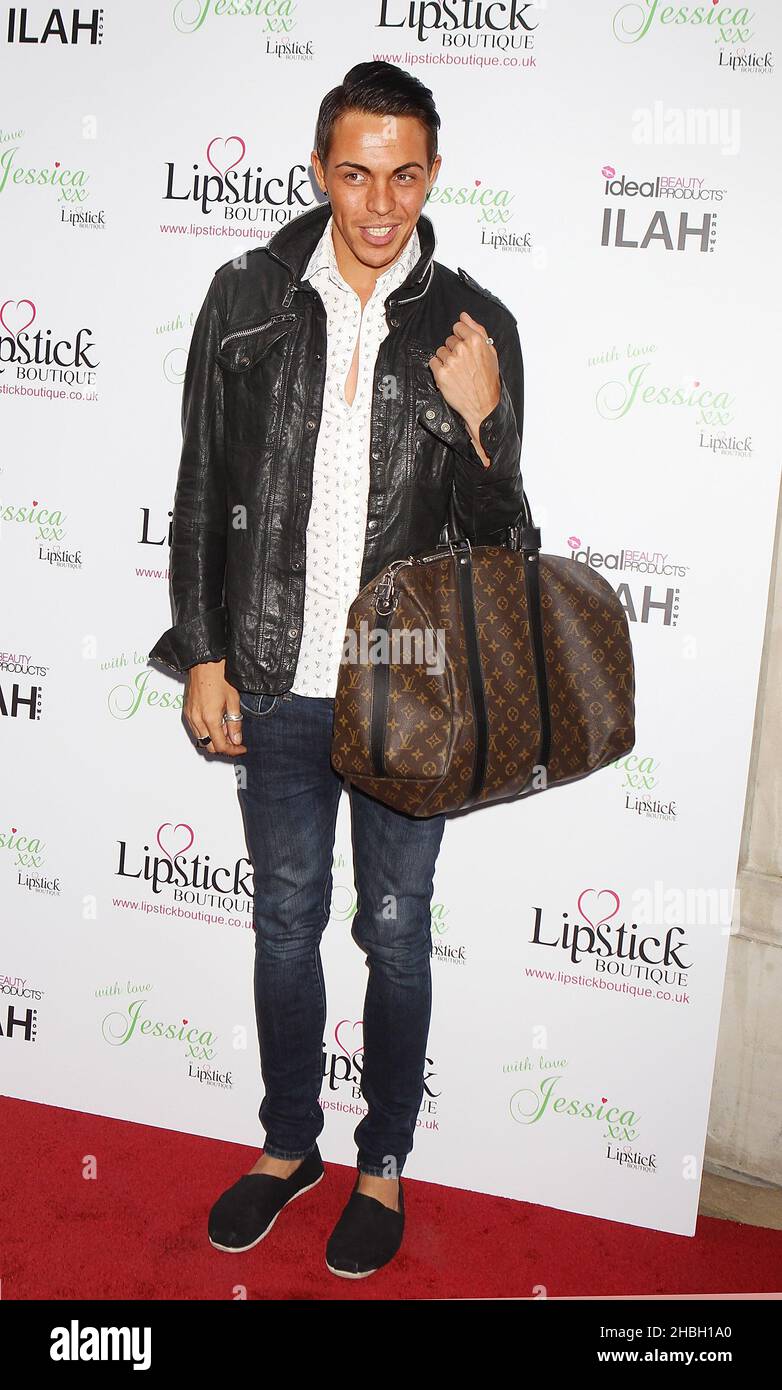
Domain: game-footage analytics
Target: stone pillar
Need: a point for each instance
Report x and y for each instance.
(745, 1119)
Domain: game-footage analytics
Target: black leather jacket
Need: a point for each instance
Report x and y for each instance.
(251, 408)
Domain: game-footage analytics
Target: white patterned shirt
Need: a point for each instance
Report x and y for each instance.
(336, 525)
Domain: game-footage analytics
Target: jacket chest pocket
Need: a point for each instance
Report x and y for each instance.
(254, 360)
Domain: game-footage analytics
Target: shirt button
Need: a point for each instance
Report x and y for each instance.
(292, 631)
(296, 564)
(373, 525)
(445, 427)
(430, 414)
(243, 361)
(311, 424)
(376, 454)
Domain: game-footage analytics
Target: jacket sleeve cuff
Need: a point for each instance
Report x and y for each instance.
(203, 638)
(498, 436)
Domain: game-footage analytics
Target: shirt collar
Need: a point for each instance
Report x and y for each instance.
(324, 257)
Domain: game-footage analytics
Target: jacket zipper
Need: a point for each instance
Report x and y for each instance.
(256, 328)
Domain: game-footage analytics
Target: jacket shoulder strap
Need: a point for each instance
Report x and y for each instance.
(481, 289)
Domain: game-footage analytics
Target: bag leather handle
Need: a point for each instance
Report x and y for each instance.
(522, 534)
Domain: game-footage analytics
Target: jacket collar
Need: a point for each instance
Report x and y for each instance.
(294, 243)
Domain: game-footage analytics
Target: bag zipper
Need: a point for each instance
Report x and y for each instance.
(384, 591)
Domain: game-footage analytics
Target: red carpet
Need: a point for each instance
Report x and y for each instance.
(138, 1230)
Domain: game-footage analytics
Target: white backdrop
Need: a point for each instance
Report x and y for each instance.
(609, 173)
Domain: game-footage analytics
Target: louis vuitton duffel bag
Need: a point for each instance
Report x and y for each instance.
(477, 673)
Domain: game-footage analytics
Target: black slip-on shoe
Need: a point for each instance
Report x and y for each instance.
(367, 1235)
(246, 1212)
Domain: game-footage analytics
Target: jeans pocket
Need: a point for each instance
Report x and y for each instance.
(255, 703)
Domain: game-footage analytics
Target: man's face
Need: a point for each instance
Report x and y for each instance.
(377, 179)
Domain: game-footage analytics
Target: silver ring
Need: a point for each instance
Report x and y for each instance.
(232, 717)
(490, 341)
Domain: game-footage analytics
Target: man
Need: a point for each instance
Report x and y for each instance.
(343, 389)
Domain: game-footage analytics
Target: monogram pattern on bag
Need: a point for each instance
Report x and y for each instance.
(589, 661)
(430, 745)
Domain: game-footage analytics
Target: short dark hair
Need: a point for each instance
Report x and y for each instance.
(378, 89)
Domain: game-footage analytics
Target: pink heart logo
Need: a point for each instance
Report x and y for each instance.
(167, 825)
(346, 1024)
(13, 829)
(604, 1099)
(600, 893)
(17, 305)
(218, 140)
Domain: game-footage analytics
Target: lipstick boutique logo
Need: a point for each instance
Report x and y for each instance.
(342, 1071)
(502, 26)
(748, 61)
(228, 185)
(186, 877)
(604, 943)
(38, 356)
(640, 784)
